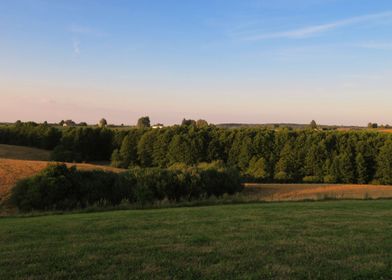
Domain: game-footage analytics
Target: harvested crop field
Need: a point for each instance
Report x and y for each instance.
(387, 130)
(12, 170)
(297, 192)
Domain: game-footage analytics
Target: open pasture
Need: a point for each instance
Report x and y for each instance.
(296, 240)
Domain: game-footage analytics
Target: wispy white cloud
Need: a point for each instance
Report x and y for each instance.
(317, 29)
(79, 32)
(85, 30)
(76, 47)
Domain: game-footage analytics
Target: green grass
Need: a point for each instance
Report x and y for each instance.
(313, 240)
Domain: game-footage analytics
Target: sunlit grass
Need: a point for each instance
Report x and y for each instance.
(314, 240)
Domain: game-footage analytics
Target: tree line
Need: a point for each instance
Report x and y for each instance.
(61, 188)
(30, 134)
(265, 155)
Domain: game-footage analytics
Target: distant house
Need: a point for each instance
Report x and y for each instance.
(158, 125)
(69, 123)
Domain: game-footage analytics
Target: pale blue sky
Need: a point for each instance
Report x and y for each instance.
(222, 60)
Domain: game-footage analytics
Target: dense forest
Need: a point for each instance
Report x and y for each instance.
(263, 155)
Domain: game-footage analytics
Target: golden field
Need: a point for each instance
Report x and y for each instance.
(298, 192)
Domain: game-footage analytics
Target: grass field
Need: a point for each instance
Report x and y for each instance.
(296, 240)
(25, 153)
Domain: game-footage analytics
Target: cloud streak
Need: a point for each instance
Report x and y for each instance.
(85, 30)
(317, 29)
(76, 47)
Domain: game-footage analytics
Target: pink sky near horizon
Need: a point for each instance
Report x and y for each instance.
(43, 102)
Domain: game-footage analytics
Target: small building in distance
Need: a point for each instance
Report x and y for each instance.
(69, 123)
(158, 126)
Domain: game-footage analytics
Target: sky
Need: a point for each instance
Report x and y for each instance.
(248, 61)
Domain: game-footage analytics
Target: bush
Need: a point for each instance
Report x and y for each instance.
(312, 179)
(53, 188)
(281, 177)
(62, 188)
(329, 179)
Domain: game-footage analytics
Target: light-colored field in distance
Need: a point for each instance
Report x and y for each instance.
(25, 153)
(298, 192)
(387, 130)
(11, 171)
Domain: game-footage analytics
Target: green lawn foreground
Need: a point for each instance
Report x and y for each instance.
(306, 240)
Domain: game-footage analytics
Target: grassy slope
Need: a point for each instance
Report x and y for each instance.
(21, 152)
(320, 240)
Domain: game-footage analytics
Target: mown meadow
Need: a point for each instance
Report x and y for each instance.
(313, 240)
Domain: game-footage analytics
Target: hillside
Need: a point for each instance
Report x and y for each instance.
(24, 153)
(321, 240)
(12, 170)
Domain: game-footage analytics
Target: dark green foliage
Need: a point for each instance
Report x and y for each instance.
(314, 162)
(127, 154)
(260, 154)
(53, 188)
(265, 155)
(384, 164)
(362, 170)
(188, 122)
(180, 150)
(30, 134)
(84, 144)
(289, 167)
(258, 169)
(143, 122)
(62, 188)
(145, 148)
(346, 169)
(313, 124)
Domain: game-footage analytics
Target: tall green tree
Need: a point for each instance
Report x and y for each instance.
(145, 148)
(362, 170)
(144, 122)
(384, 164)
(258, 169)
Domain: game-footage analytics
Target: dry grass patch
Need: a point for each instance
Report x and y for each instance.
(297, 192)
(25, 153)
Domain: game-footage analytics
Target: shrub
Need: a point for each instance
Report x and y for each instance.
(329, 179)
(62, 188)
(282, 177)
(53, 188)
(312, 179)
